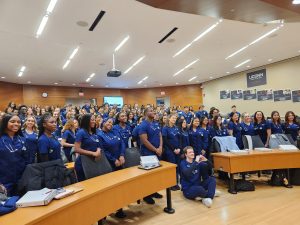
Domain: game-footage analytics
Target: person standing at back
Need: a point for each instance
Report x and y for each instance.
(151, 142)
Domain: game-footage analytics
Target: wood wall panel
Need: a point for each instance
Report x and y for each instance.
(10, 92)
(32, 94)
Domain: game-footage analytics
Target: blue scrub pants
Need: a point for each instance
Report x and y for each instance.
(206, 189)
(171, 157)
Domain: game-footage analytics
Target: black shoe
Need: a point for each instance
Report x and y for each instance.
(149, 200)
(156, 195)
(120, 214)
(175, 188)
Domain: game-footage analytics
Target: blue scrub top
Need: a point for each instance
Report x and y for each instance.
(125, 133)
(215, 132)
(201, 114)
(187, 116)
(153, 132)
(112, 144)
(50, 146)
(184, 139)
(276, 128)
(205, 138)
(237, 133)
(89, 142)
(132, 124)
(57, 132)
(31, 143)
(261, 130)
(196, 140)
(247, 129)
(291, 129)
(190, 174)
(13, 160)
(172, 134)
(69, 136)
(135, 134)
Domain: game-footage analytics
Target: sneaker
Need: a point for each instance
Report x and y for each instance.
(149, 200)
(207, 202)
(175, 188)
(120, 214)
(198, 199)
(217, 193)
(156, 195)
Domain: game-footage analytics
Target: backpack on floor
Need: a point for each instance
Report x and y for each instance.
(244, 185)
(295, 176)
(277, 178)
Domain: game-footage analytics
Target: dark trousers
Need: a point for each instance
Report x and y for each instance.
(206, 189)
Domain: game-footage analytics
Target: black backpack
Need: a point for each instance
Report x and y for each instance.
(295, 176)
(244, 185)
(278, 177)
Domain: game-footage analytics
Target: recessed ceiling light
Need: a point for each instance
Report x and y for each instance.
(134, 64)
(198, 37)
(298, 50)
(197, 81)
(187, 66)
(228, 72)
(211, 77)
(55, 83)
(160, 84)
(74, 84)
(242, 63)
(82, 23)
(270, 60)
(193, 78)
(28, 82)
(92, 85)
(248, 66)
(2, 77)
(122, 43)
(106, 85)
(177, 83)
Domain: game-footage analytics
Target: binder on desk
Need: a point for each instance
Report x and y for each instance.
(37, 198)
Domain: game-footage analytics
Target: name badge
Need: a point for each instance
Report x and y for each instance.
(51, 151)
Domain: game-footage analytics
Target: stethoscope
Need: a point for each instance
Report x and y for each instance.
(92, 138)
(10, 147)
(114, 137)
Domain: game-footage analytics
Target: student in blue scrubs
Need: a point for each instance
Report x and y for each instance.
(205, 136)
(13, 153)
(163, 121)
(48, 146)
(114, 149)
(201, 112)
(262, 127)
(59, 124)
(151, 140)
(68, 138)
(187, 114)
(212, 113)
(131, 121)
(30, 133)
(171, 145)
(217, 129)
(291, 126)
(183, 136)
(235, 129)
(135, 133)
(195, 136)
(86, 143)
(275, 123)
(247, 125)
(233, 110)
(195, 180)
(22, 113)
(123, 128)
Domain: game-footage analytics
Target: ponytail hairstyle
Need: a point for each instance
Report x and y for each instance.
(44, 118)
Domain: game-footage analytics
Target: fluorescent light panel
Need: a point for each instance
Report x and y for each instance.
(66, 64)
(198, 37)
(255, 41)
(141, 81)
(74, 53)
(87, 80)
(122, 43)
(42, 26)
(193, 78)
(187, 66)
(92, 75)
(246, 61)
(134, 64)
(51, 6)
(295, 2)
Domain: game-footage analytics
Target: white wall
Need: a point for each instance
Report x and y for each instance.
(281, 75)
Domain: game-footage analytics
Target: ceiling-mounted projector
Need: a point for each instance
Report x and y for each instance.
(114, 72)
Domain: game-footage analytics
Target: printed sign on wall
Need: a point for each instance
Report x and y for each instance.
(249, 94)
(264, 95)
(236, 94)
(282, 95)
(225, 94)
(296, 96)
(256, 78)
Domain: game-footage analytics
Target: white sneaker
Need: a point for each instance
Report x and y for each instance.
(207, 202)
(198, 198)
(217, 193)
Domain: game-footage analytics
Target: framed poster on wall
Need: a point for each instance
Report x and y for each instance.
(282, 95)
(249, 94)
(256, 78)
(296, 95)
(236, 94)
(224, 94)
(264, 95)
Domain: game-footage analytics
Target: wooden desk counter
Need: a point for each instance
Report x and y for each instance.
(101, 196)
(255, 161)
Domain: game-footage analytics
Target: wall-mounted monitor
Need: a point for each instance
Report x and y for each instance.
(113, 100)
